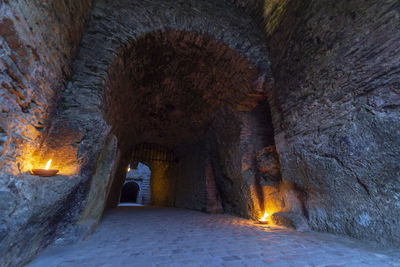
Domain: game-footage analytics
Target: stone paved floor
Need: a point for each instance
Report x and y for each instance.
(143, 236)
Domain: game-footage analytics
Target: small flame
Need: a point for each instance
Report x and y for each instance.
(48, 165)
(129, 169)
(265, 217)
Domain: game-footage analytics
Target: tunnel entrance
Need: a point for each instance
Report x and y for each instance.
(196, 113)
(130, 192)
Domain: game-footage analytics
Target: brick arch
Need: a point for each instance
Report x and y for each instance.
(81, 139)
(81, 103)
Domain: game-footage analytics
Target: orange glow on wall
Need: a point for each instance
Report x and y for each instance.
(63, 159)
(268, 205)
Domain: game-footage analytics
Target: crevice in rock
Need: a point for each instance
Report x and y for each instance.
(363, 186)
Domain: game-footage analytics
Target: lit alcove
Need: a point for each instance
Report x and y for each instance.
(136, 187)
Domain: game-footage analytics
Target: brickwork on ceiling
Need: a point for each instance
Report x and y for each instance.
(169, 85)
(113, 28)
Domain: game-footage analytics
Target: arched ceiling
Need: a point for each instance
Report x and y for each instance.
(170, 85)
(113, 28)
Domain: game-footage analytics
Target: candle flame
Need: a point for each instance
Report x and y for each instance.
(265, 217)
(129, 169)
(48, 165)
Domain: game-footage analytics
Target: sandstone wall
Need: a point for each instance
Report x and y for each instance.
(38, 40)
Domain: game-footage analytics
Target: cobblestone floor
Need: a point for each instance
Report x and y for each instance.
(144, 236)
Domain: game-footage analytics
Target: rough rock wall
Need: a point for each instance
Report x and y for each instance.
(115, 185)
(338, 95)
(38, 40)
(336, 110)
(244, 161)
(234, 168)
(108, 166)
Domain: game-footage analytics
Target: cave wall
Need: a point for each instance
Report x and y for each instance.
(234, 167)
(335, 107)
(114, 186)
(38, 41)
(109, 165)
(244, 161)
(338, 95)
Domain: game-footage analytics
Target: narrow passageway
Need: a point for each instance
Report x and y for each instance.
(148, 236)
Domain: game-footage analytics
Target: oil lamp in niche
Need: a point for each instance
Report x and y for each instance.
(46, 172)
(264, 219)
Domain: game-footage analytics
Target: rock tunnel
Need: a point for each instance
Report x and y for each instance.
(237, 107)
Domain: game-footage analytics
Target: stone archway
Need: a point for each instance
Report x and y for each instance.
(231, 77)
(179, 90)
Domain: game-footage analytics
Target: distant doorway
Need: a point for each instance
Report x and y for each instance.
(136, 188)
(130, 192)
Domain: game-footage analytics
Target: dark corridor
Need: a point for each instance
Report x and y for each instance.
(129, 192)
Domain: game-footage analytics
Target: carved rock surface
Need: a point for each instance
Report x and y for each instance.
(34, 211)
(336, 110)
(38, 40)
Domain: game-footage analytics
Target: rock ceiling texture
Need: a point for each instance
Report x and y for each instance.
(290, 105)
